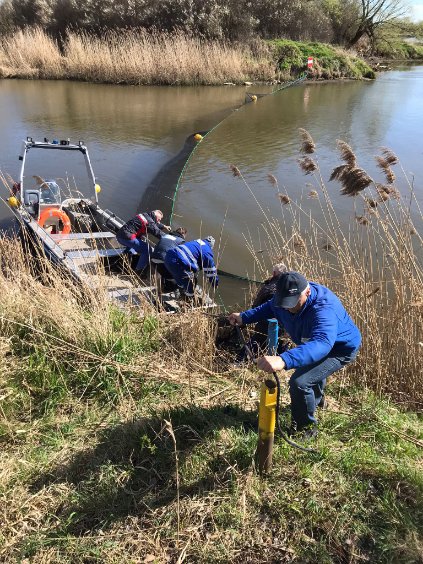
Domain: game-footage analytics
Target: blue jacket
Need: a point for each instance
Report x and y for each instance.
(322, 327)
(195, 256)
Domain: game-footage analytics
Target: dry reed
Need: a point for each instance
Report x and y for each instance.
(131, 57)
(373, 265)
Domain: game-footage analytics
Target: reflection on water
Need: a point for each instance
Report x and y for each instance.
(132, 132)
(262, 139)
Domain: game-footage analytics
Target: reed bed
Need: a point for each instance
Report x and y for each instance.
(375, 266)
(62, 342)
(132, 57)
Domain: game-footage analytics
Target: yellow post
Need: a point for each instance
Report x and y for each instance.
(267, 422)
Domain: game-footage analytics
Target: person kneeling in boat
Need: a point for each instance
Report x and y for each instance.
(133, 235)
(167, 242)
(185, 261)
(326, 339)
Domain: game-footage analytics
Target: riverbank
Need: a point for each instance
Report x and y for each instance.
(138, 57)
(127, 438)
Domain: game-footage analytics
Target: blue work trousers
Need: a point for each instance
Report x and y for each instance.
(307, 384)
(141, 246)
(183, 276)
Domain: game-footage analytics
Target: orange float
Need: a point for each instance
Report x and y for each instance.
(48, 213)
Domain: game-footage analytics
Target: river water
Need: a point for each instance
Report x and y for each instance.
(133, 132)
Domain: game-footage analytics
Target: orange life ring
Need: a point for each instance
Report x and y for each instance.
(48, 213)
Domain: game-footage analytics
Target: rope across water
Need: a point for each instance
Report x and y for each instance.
(179, 181)
(282, 87)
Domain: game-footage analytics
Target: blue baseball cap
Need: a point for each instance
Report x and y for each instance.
(289, 288)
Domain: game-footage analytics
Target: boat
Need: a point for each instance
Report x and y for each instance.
(74, 233)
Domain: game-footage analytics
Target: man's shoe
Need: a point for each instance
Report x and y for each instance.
(307, 433)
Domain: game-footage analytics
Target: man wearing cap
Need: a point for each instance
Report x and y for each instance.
(325, 335)
(133, 235)
(185, 261)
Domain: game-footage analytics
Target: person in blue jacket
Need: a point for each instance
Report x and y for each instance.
(167, 242)
(185, 261)
(326, 339)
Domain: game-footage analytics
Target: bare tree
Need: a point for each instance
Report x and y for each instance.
(374, 13)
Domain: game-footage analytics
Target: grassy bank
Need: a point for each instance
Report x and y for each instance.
(128, 437)
(329, 62)
(138, 57)
(398, 49)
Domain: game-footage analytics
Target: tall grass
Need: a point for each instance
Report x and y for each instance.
(61, 342)
(375, 265)
(122, 443)
(132, 57)
(30, 54)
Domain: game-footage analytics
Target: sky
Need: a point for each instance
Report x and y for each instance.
(417, 10)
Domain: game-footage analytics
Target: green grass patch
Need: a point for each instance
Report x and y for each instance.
(329, 62)
(110, 489)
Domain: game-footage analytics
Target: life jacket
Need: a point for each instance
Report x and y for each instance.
(143, 229)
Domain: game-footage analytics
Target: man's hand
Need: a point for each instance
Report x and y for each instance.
(235, 319)
(167, 228)
(270, 364)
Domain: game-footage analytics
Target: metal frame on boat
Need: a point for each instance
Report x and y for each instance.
(78, 235)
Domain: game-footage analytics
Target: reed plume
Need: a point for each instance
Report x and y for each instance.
(390, 157)
(352, 178)
(272, 179)
(371, 202)
(235, 170)
(307, 165)
(362, 220)
(284, 198)
(307, 144)
(354, 181)
(347, 154)
(385, 162)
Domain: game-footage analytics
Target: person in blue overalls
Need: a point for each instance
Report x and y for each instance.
(133, 235)
(185, 261)
(326, 339)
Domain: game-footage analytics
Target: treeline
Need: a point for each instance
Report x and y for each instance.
(344, 22)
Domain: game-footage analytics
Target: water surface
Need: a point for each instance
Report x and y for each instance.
(132, 132)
